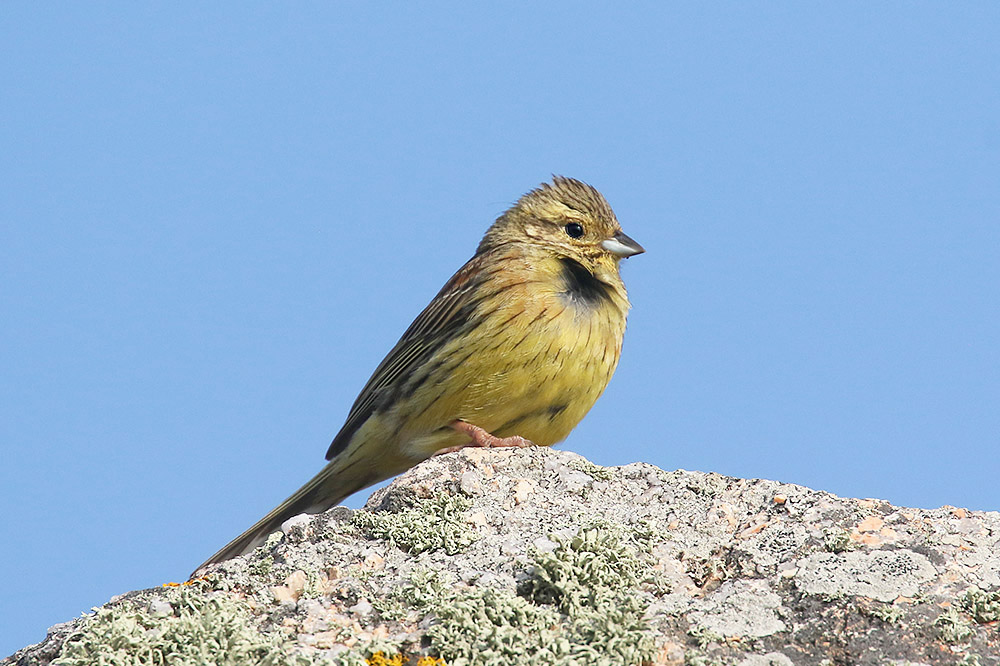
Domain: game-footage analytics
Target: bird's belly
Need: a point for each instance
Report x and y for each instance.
(537, 381)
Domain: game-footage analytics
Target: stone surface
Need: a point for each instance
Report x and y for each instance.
(539, 556)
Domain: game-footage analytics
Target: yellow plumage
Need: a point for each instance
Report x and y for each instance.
(519, 343)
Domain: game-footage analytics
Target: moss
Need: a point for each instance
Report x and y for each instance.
(433, 524)
(983, 606)
(213, 629)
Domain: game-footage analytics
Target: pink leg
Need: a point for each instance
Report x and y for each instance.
(484, 439)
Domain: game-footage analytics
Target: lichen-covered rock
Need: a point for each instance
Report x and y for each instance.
(537, 556)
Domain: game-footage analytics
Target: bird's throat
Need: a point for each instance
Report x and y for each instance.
(583, 288)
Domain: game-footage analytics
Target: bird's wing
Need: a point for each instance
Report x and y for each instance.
(436, 325)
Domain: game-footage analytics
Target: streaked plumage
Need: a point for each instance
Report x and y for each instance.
(521, 341)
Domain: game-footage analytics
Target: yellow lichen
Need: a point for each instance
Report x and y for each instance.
(380, 659)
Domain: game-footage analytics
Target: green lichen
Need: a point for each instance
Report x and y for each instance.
(705, 637)
(983, 606)
(425, 588)
(709, 573)
(490, 627)
(952, 628)
(888, 613)
(261, 567)
(579, 605)
(838, 540)
(198, 629)
(590, 469)
(696, 658)
(583, 570)
(433, 524)
(708, 485)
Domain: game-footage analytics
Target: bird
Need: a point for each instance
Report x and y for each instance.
(513, 351)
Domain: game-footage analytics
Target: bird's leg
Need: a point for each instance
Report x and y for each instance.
(484, 439)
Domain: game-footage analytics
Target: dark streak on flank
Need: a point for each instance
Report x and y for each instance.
(552, 411)
(412, 374)
(406, 389)
(582, 288)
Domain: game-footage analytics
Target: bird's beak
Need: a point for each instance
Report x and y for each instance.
(621, 245)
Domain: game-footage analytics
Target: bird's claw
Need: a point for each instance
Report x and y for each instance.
(481, 438)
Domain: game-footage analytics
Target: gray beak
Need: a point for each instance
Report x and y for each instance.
(621, 245)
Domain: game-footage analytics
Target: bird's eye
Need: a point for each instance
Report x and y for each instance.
(574, 230)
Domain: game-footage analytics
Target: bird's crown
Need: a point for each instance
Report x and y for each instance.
(562, 201)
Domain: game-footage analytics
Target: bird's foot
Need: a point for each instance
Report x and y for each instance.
(484, 439)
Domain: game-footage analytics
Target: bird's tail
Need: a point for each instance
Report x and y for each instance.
(342, 476)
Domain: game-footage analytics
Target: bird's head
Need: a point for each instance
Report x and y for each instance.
(567, 217)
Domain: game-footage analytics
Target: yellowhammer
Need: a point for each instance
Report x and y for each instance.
(513, 351)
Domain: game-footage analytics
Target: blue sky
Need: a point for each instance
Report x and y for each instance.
(215, 221)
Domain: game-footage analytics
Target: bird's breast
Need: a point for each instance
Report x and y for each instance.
(548, 358)
(533, 356)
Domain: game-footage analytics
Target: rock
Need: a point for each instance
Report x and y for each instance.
(538, 556)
